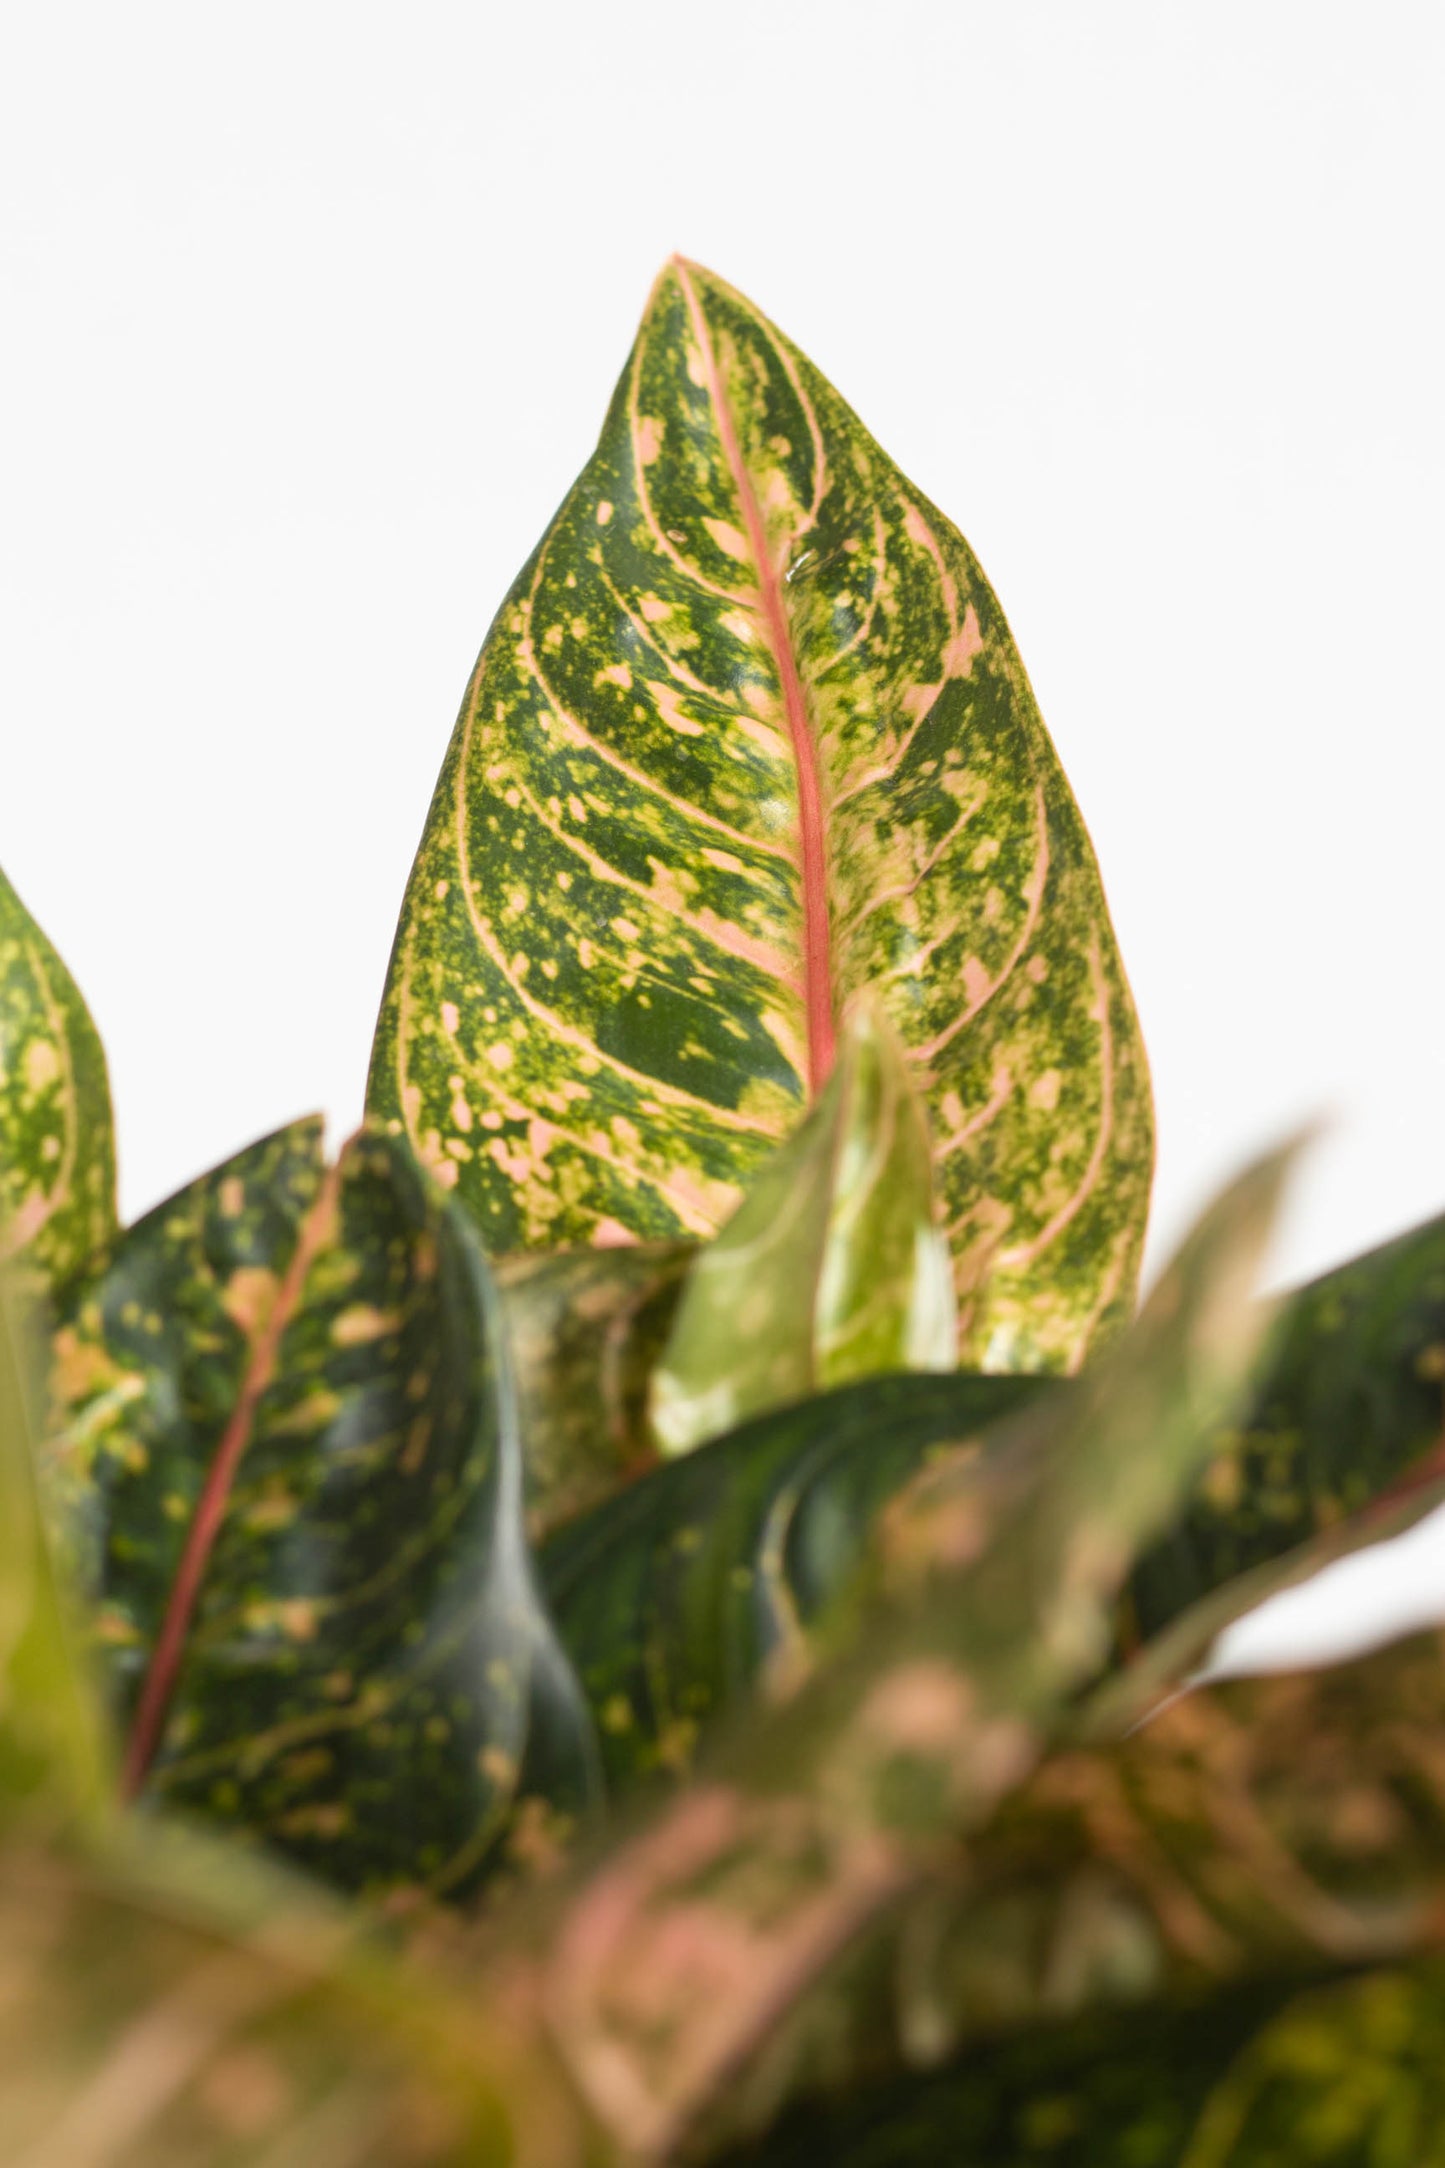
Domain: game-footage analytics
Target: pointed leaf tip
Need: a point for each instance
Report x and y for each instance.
(750, 735)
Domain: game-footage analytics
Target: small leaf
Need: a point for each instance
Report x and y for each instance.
(832, 1267)
(586, 1328)
(290, 1447)
(749, 737)
(674, 1596)
(57, 1147)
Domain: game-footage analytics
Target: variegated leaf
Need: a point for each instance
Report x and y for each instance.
(831, 1268)
(57, 1146)
(586, 1328)
(748, 737)
(288, 1452)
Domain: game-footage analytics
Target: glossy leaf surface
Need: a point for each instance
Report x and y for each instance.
(831, 1268)
(674, 1964)
(748, 737)
(290, 1450)
(586, 1329)
(673, 1596)
(57, 1143)
(1352, 1395)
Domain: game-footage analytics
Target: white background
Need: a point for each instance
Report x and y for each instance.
(313, 311)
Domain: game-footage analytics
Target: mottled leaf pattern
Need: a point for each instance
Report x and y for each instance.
(832, 1267)
(57, 1145)
(290, 1448)
(1353, 1395)
(673, 1596)
(586, 1328)
(750, 736)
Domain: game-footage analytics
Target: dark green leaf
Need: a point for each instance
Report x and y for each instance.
(749, 737)
(57, 1145)
(831, 1268)
(289, 1447)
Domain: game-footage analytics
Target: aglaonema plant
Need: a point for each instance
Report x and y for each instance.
(653, 1606)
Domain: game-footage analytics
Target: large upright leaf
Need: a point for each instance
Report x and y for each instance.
(748, 736)
(831, 1268)
(289, 1447)
(57, 1146)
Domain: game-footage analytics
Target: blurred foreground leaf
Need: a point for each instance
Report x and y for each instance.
(670, 1969)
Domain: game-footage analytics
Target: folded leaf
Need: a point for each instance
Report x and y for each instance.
(749, 737)
(586, 1328)
(831, 1268)
(1352, 1396)
(673, 1596)
(57, 1145)
(290, 1443)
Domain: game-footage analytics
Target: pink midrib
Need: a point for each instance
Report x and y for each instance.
(812, 857)
(210, 1513)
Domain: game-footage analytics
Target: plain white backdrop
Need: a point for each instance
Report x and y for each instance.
(313, 311)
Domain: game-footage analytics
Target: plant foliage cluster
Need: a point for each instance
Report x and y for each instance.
(640, 1612)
